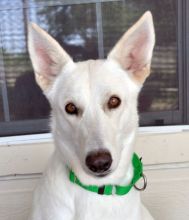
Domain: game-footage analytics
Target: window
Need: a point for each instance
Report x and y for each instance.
(89, 29)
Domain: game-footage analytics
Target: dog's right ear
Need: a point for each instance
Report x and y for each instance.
(47, 56)
(134, 50)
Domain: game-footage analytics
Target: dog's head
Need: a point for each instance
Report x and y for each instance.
(94, 103)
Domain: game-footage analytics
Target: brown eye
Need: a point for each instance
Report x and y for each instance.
(71, 109)
(114, 102)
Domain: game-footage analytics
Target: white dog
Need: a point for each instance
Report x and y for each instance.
(94, 121)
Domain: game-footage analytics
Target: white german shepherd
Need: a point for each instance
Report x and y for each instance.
(94, 123)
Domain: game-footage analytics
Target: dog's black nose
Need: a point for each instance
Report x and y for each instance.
(99, 161)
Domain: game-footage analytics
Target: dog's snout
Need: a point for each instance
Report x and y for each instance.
(99, 161)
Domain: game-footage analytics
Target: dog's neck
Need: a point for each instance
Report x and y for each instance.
(128, 176)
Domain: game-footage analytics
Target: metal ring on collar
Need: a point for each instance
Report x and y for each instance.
(145, 183)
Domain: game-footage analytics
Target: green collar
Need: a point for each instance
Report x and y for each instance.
(113, 189)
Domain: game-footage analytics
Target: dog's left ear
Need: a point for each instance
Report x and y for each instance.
(134, 50)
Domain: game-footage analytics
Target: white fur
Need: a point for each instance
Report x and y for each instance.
(89, 85)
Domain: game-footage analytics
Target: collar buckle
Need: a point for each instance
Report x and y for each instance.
(101, 190)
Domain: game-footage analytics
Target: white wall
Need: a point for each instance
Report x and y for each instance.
(165, 155)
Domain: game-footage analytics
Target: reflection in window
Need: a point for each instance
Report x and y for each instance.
(73, 26)
(25, 98)
(161, 89)
(86, 31)
(77, 35)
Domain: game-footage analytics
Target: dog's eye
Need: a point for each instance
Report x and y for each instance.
(71, 109)
(114, 102)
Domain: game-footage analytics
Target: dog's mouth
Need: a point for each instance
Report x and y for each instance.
(103, 174)
(99, 175)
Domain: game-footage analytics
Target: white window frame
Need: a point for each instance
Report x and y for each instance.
(26, 156)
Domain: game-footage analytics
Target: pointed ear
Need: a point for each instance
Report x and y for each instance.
(134, 50)
(47, 56)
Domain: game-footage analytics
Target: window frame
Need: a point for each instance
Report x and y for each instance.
(186, 61)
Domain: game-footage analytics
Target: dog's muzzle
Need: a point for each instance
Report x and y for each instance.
(99, 162)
